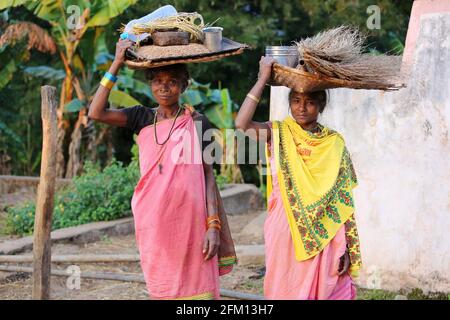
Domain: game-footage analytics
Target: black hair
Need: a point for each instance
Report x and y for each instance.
(321, 97)
(180, 71)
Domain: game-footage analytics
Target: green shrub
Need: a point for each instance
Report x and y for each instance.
(95, 195)
(220, 180)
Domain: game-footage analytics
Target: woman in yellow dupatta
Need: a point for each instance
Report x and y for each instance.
(311, 240)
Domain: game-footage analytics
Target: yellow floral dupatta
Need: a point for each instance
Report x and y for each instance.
(316, 179)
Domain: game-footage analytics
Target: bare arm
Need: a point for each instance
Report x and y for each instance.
(244, 117)
(211, 242)
(212, 238)
(97, 108)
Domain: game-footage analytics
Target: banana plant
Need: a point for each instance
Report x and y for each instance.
(17, 39)
(220, 109)
(84, 56)
(73, 24)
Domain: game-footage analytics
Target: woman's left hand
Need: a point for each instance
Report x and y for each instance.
(211, 243)
(265, 68)
(344, 264)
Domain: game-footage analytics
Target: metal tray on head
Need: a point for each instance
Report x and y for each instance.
(152, 56)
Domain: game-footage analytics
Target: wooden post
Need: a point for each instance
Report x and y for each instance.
(45, 196)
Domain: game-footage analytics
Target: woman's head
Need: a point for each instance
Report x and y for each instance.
(168, 83)
(305, 107)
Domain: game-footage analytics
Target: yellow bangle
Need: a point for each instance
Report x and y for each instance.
(107, 83)
(253, 97)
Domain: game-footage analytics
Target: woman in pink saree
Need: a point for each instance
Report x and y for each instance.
(181, 227)
(311, 241)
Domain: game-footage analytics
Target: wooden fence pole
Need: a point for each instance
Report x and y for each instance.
(45, 196)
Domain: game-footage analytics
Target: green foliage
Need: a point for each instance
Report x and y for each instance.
(20, 219)
(11, 3)
(120, 98)
(96, 195)
(7, 72)
(55, 11)
(107, 10)
(135, 150)
(258, 23)
(73, 106)
(91, 58)
(20, 125)
(215, 103)
(45, 72)
(396, 43)
(367, 294)
(411, 294)
(418, 294)
(128, 84)
(220, 180)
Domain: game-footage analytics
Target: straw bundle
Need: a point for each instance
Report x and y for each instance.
(338, 53)
(182, 21)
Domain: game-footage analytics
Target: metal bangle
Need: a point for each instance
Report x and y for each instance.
(253, 97)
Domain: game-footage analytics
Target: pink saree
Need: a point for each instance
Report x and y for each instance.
(169, 209)
(288, 279)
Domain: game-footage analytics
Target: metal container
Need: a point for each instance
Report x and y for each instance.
(285, 55)
(213, 38)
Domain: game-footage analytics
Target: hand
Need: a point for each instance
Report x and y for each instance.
(121, 48)
(211, 243)
(265, 68)
(344, 264)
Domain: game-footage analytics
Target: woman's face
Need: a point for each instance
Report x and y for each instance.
(304, 109)
(166, 88)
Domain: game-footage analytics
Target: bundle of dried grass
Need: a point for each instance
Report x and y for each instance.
(338, 53)
(38, 38)
(189, 22)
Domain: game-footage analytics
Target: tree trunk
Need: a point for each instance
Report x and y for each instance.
(63, 125)
(91, 145)
(104, 137)
(60, 161)
(75, 165)
(231, 170)
(5, 163)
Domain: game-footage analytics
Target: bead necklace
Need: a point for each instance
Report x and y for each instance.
(168, 137)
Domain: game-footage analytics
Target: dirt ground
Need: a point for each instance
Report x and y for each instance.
(243, 279)
(19, 285)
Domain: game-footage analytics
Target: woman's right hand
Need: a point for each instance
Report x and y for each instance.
(121, 48)
(265, 68)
